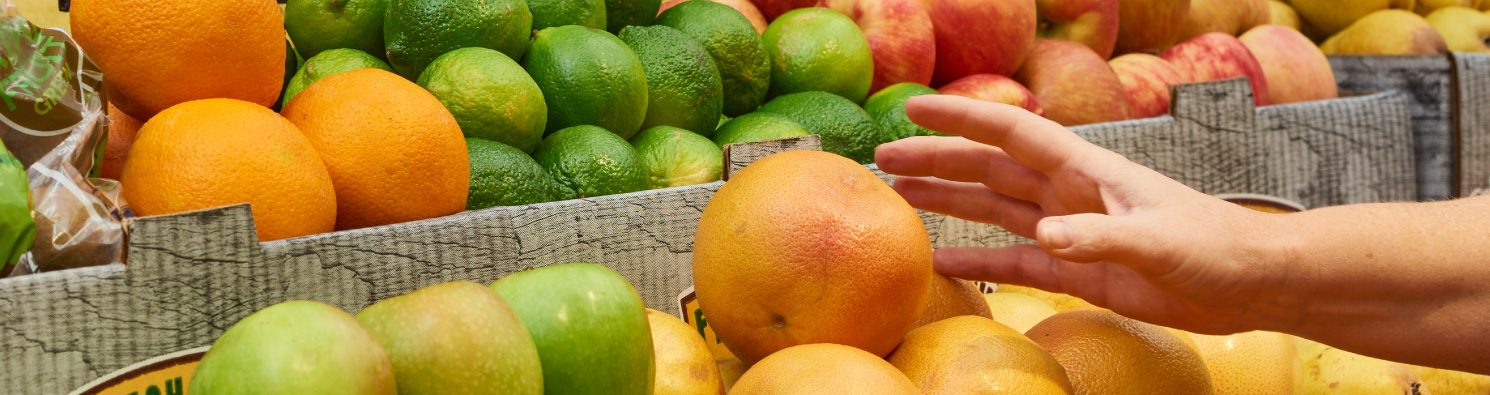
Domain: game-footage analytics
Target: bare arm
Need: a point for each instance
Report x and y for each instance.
(1405, 281)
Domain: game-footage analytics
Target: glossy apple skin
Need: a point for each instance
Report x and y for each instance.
(980, 36)
(1093, 23)
(296, 347)
(1387, 32)
(1232, 17)
(995, 88)
(745, 7)
(1073, 84)
(1218, 56)
(1463, 29)
(774, 8)
(1149, 25)
(1296, 70)
(900, 37)
(1147, 79)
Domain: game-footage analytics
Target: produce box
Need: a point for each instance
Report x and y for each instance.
(1472, 86)
(192, 275)
(1428, 82)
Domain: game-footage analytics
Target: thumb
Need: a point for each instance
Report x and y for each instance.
(1087, 238)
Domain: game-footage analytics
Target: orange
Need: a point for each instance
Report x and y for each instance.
(1251, 363)
(1106, 353)
(122, 130)
(218, 152)
(395, 154)
(808, 247)
(684, 363)
(951, 297)
(975, 355)
(823, 369)
(157, 54)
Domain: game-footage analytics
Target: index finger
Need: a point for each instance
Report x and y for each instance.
(1028, 138)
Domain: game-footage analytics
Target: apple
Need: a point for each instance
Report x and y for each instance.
(995, 88)
(900, 37)
(1282, 14)
(1296, 70)
(1149, 25)
(1093, 23)
(456, 337)
(1463, 29)
(980, 36)
(745, 7)
(774, 8)
(295, 347)
(1073, 83)
(1218, 56)
(1327, 17)
(1224, 16)
(1147, 79)
(589, 325)
(1387, 32)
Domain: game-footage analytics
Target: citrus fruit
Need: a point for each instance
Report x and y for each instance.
(887, 108)
(122, 131)
(1061, 302)
(975, 355)
(418, 31)
(503, 176)
(588, 77)
(395, 155)
(321, 25)
(738, 51)
(823, 369)
(1329, 370)
(745, 7)
(292, 64)
(1018, 311)
(328, 63)
(809, 247)
(160, 54)
(622, 13)
(951, 297)
(1106, 353)
(490, 96)
(218, 152)
(683, 86)
(684, 363)
(555, 13)
(758, 126)
(1251, 363)
(676, 157)
(592, 161)
(818, 49)
(845, 128)
(295, 347)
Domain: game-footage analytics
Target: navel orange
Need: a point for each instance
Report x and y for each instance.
(823, 369)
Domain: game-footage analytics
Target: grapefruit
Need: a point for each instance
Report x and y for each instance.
(1106, 353)
(975, 355)
(1252, 363)
(951, 297)
(823, 369)
(1018, 311)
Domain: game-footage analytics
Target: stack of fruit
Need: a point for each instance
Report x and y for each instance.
(1389, 27)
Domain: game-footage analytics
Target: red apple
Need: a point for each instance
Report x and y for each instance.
(1147, 80)
(774, 8)
(1224, 16)
(1150, 25)
(1218, 56)
(995, 88)
(900, 38)
(1093, 23)
(980, 36)
(743, 6)
(1296, 70)
(1075, 86)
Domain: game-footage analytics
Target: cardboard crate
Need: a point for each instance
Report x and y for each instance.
(192, 275)
(1428, 82)
(1472, 100)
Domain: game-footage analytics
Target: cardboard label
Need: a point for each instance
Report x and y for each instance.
(693, 315)
(168, 374)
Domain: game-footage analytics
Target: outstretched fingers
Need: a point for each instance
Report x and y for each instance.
(972, 202)
(963, 160)
(1034, 141)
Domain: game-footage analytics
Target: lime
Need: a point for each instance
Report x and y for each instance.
(555, 13)
(887, 107)
(320, 25)
(490, 96)
(292, 64)
(818, 49)
(418, 31)
(503, 176)
(683, 86)
(738, 51)
(675, 157)
(758, 126)
(327, 64)
(592, 161)
(588, 77)
(622, 13)
(845, 128)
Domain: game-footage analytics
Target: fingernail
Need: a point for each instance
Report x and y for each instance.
(1057, 234)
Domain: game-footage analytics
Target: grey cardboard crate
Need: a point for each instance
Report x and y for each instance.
(192, 275)
(1472, 83)
(1428, 82)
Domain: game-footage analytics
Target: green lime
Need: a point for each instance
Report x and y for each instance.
(503, 176)
(490, 96)
(555, 13)
(418, 31)
(292, 64)
(327, 64)
(722, 120)
(320, 25)
(818, 49)
(758, 126)
(675, 157)
(744, 65)
(683, 86)
(588, 77)
(845, 128)
(592, 161)
(622, 13)
(887, 107)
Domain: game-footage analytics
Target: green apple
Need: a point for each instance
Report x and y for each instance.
(589, 325)
(296, 347)
(457, 338)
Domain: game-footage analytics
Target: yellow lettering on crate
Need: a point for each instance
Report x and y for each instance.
(694, 316)
(164, 375)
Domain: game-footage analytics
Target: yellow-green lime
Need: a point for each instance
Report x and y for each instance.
(555, 13)
(758, 126)
(418, 31)
(490, 96)
(321, 25)
(592, 161)
(675, 157)
(818, 49)
(683, 86)
(588, 77)
(503, 176)
(622, 13)
(887, 107)
(845, 128)
(327, 64)
(292, 64)
(744, 65)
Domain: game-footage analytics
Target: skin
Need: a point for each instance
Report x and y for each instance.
(1127, 238)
